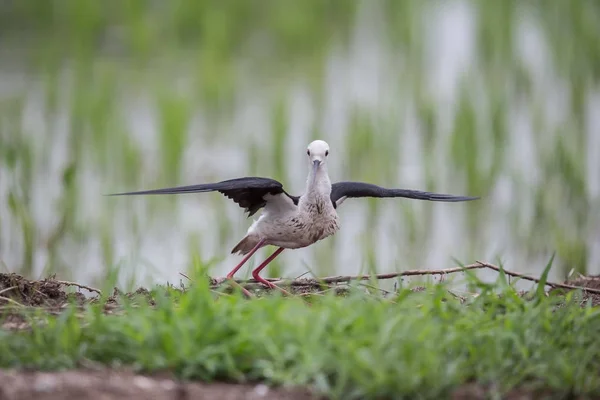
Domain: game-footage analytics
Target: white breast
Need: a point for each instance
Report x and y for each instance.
(306, 224)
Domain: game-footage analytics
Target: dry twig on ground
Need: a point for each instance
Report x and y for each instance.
(79, 285)
(252, 284)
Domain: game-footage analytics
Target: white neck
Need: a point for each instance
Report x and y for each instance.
(320, 186)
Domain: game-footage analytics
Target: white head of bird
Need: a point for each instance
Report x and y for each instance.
(318, 150)
(317, 153)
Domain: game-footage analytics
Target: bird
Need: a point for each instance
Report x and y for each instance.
(288, 221)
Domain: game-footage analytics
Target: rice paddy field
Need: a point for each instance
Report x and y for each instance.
(497, 99)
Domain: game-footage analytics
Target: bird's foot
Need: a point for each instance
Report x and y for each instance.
(285, 292)
(220, 281)
(270, 285)
(245, 291)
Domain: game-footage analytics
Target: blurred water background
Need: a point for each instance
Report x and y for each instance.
(492, 98)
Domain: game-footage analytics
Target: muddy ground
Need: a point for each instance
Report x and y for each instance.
(103, 384)
(18, 294)
(110, 384)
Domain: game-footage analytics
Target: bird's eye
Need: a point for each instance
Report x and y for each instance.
(308, 152)
(326, 153)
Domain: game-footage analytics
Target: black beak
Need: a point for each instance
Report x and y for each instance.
(316, 164)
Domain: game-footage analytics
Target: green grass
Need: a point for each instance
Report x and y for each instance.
(194, 57)
(412, 345)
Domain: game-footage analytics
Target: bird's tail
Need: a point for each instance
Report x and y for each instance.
(245, 245)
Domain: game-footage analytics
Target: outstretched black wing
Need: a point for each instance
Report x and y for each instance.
(247, 192)
(342, 190)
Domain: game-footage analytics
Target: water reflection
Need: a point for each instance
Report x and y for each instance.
(371, 76)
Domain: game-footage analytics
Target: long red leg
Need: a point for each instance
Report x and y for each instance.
(237, 267)
(256, 271)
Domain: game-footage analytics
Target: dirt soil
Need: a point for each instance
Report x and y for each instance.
(18, 294)
(48, 293)
(590, 282)
(104, 384)
(110, 384)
